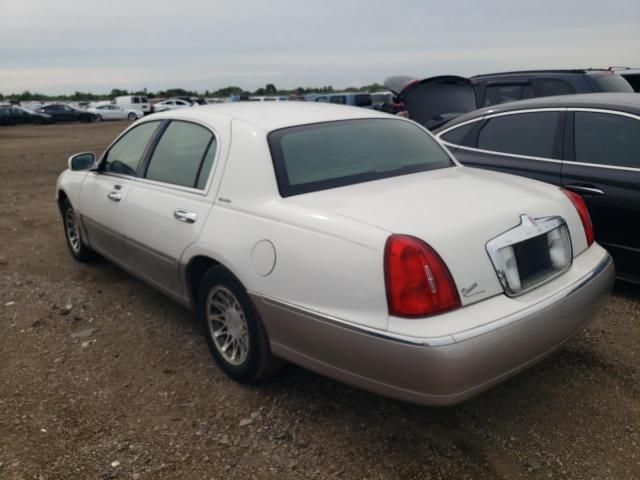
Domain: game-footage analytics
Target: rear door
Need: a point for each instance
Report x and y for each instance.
(603, 165)
(104, 192)
(526, 143)
(168, 207)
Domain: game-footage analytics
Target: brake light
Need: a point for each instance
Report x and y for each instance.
(583, 212)
(418, 282)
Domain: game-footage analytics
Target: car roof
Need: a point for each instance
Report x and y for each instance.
(580, 71)
(624, 102)
(272, 115)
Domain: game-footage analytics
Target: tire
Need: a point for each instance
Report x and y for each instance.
(224, 304)
(132, 116)
(72, 232)
(99, 118)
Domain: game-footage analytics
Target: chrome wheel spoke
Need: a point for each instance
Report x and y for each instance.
(227, 325)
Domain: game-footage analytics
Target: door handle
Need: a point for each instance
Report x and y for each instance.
(115, 196)
(584, 189)
(184, 216)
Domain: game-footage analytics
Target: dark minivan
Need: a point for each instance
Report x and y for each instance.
(589, 144)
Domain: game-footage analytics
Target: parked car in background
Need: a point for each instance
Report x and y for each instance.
(341, 239)
(134, 102)
(64, 113)
(4, 117)
(496, 88)
(12, 115)
(172, 104)
(380, 98)
(343, 98)
(114, 112)
(589, 144)
(631, 75)
(191, 100)
(434, 101)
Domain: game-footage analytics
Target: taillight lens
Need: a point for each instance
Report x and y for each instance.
(583, 212)
(418, 282)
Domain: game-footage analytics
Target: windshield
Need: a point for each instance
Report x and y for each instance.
(334, 154)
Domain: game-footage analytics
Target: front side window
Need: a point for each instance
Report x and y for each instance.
(124, 156)
(606, 139)
(333, 154)
(339, 99)
(136, 99)
(531, 134)
(184, 156)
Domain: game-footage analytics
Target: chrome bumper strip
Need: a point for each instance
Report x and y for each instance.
(446, 339)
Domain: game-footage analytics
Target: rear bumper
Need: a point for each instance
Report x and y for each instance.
(444, 374)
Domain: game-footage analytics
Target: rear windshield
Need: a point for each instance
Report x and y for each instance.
(611, 82)
(327, 155)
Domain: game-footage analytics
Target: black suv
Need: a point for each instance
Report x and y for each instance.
(434, 101)
(496, 88)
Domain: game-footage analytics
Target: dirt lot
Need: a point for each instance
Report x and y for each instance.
(101, 377)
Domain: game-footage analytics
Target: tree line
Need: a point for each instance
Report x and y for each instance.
(268, 90)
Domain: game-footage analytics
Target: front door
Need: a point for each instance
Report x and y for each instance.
(603, 165)
(104, 192)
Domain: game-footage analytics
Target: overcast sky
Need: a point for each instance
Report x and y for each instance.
(59, 46)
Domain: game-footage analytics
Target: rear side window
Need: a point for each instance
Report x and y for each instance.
(531, 134)
(339, 99)
(458, 136)
(334, 154)
(496, 94)
(184, 156)
(606, 139)
(549, 87)
(125, 155)
(136, 99)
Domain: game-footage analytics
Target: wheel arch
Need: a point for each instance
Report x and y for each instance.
(60, 199)
(195, 270)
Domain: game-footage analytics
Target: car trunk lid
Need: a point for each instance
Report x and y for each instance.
(455, 210)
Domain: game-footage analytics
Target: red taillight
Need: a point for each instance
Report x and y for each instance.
(583, 212)
(417, 280)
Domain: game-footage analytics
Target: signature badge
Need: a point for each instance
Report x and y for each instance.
(471, 290)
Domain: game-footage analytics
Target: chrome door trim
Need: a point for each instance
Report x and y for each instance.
(513, 155)
(489, 115)
(584, 190)
(542, 159)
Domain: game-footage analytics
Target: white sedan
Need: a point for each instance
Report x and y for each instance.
(171, 104)
(115, 112)
(341, 239)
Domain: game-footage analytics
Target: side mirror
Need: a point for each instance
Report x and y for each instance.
(82, 161)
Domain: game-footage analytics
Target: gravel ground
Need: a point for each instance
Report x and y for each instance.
(102, 377)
